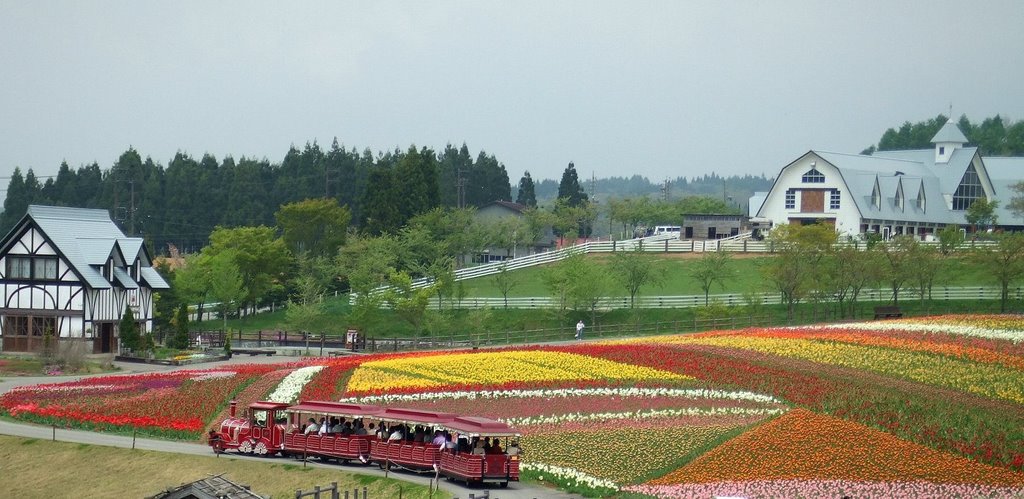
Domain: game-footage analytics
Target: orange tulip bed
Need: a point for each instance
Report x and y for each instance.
(928, 407)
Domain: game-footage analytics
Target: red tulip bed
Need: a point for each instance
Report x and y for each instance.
(928, 407)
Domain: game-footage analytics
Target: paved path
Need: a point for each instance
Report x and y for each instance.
(513, 491)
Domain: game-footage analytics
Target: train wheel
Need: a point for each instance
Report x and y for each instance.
(504, 484)
(260, 449)
(245, 447)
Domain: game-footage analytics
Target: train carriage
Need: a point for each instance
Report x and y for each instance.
(479, 464)
(343, 447)
(417, 456)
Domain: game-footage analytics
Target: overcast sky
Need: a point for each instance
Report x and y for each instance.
(661, 89)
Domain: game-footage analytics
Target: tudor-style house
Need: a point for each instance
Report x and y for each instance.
(890, 193)
(72, 272)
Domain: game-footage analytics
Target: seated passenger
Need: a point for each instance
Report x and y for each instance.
(360, 429)
(495, 447)
(478, 446)
(324, 426)
(382, 431)
(336, 425)
(312, 427)
(438, 440)
(346, 429)
(396, 434)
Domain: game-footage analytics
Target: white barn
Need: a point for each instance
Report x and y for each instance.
(72, 271)
(915, 192)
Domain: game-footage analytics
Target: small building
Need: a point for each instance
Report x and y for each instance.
(214, 487)
(702, 226)
(500, 212)
(71, 272)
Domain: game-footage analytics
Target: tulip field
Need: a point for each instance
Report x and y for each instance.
(928, 407)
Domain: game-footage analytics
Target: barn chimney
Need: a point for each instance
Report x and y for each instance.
(231, 410)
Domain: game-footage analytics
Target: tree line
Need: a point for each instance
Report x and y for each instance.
(993, 136)
(181, 203)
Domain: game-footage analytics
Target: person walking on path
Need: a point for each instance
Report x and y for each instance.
(579, 330)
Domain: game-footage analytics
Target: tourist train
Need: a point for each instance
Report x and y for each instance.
(400, 438)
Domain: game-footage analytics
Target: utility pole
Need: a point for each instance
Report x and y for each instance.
(666, 189)
(460, 187)
(131, 213)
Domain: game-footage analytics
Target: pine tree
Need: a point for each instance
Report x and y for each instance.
(128, 330)
(526, 196)
(569, 188)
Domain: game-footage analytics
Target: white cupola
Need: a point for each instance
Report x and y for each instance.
(949, 139)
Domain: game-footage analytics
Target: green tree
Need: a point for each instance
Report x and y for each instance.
(408, 302)
(710, 268)
(589, 284)
(634, 270)
(226, 284)
(314, 226)
(799, 253)
(1016, 204)
(179, 339)
(927, 264)
(569, 188)
(305, 307)
(262, 258)
(850, 271)
(506, 280)
(527, 195)
(981, 214)
(128, 330)
(950, 238)
(1004, 263)
(898, 258)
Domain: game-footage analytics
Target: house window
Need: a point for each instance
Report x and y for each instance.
(920, 200)
(19, 267)
(813, 177)
(942, 150)
(791, 199)
(968, 191)
(42, 325)
(44, 268)
(39, 268)
(15, 326)
(833, 200)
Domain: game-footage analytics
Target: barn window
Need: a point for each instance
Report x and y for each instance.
(833, 200)
(813, 176)
(791, 199)
(968, 191)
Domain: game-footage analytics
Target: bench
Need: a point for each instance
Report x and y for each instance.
(888, 312)
(253, 351)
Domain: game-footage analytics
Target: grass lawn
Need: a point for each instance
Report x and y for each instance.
(31, 365)
(40, 468)
(747, 278)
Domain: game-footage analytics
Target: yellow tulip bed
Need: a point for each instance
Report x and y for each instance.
(495, 368)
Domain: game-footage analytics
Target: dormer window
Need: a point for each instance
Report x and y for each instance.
(813, 176)
(876, 198)
(942, 150)
(899, 198)
(920, 199)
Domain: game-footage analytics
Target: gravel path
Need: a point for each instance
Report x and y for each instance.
(513, 491)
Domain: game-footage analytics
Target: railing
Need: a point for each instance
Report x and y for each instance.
(731, 299)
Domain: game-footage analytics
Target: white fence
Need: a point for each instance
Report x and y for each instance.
(730, 299)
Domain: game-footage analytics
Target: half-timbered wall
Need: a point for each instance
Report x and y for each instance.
(60, 294)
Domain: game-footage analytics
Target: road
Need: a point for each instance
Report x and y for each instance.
(513, 491)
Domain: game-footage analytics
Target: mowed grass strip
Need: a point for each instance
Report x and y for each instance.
(40, 468)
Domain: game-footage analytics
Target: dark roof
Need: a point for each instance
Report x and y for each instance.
(339, 408)
(474, 426)
(520, 208)
(215, 487)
